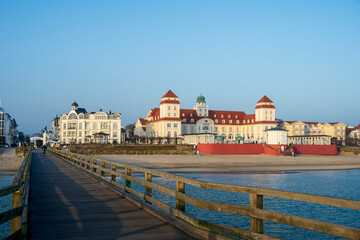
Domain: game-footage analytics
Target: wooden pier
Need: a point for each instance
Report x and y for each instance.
(64, 195)
(66, 204)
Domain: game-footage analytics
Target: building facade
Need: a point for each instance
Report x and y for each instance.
(8, 129)
(299, 128)
(171, 121)
(79, 126)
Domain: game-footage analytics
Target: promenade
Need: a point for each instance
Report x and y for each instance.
(66, 204)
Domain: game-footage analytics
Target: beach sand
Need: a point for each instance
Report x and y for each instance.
(9, 161)
(235, 163)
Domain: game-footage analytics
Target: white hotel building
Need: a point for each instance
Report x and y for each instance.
(169, 120)
(79, 126)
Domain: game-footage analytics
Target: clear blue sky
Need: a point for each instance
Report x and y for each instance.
(124, 55)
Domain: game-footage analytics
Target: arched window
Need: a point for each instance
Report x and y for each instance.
(80, 126)
(169, 134)
(175, 134)
(72, 116)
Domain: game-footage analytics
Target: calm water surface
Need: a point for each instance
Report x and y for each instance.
(5, 202)
(334, 183)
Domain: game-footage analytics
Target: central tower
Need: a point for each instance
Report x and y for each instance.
(201, 109)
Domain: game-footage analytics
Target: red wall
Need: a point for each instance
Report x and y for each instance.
(316, 149)
(237, 149)
(230, 149)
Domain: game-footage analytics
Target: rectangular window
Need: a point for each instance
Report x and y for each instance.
(168, 107)
(174, 114)
(175, 125)
(230, 121)
(184, 120)
(169, 125)
(216, 129)
(229, 116)
(174, 107)
(215, 115)
(216, 121)
(192, 120)
(168, 114)
(230, 129)
(223, 129)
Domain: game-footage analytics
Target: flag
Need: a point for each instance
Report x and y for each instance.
(44, 129)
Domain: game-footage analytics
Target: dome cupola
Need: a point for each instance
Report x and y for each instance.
(200, 99)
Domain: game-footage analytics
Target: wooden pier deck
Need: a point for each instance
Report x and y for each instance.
(66, 204)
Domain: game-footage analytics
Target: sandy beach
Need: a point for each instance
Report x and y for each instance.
(236, 163)
(9, 161)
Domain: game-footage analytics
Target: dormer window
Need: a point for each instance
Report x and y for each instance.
(223, 121)
(214, 115)
(248, 121)
(230, 121)
(222, 116)
(216, 121)
(192, 120)
(183, 115)
(252, 120)
(229, 116)
(244, 121)
(184, 120)
(190, 114)
(236, 116)
(237, 121)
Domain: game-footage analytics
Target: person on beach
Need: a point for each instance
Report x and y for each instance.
(292, 151)
(44, 147)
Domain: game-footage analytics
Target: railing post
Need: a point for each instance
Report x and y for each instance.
(148, 190)
(128, 173)
(102, 167)
(82, 161)
(16, 202)
(94, 168)
(113, 168)
(180, 187)
(88, 160)
(256, 224)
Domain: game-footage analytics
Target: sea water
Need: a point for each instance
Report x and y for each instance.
(333, 183)
(5, 202)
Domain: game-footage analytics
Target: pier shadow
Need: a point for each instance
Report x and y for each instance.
(66, 204)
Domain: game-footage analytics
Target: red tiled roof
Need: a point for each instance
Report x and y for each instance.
(170, 101)
(143, 121)
(265, 99)
(170, 94)
(234, 117)
(264, 106)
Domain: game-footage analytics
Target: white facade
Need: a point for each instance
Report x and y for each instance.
(78, 126)
(277, 136)
(8, 128)
(194, 139)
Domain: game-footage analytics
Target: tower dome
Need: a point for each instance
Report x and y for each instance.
(74, 104)
(200, 99)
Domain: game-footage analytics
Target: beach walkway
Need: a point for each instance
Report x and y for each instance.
(66, 204)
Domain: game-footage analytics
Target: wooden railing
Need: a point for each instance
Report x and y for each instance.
(19, 188)
(100, 168)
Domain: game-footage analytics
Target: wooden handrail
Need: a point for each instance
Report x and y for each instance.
(100, 168)
(19, 188)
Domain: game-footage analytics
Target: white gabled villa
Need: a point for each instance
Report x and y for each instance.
(79, 126)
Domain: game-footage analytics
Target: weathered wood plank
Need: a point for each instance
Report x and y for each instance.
(63, 207)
